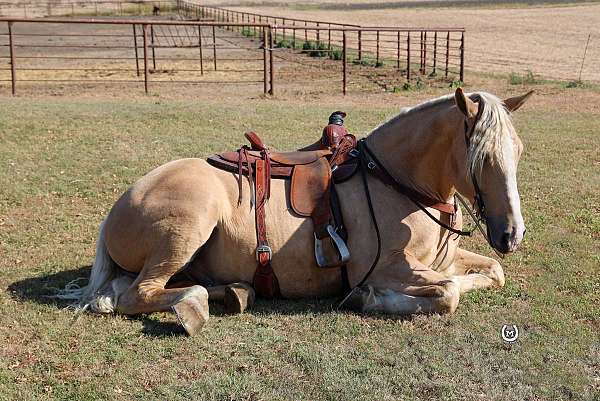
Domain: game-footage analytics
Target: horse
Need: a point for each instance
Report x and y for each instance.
(185, 216)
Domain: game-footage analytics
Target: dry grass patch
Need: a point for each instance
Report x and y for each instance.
(65, 161)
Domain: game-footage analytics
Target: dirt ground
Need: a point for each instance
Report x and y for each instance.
(62, 59)
(547, 40)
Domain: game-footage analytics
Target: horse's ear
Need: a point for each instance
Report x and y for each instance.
(464, 104)
(514, 103)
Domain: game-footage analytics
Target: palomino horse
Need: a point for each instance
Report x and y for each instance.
(185, 215)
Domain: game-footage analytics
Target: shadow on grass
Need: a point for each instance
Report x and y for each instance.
(41, 289)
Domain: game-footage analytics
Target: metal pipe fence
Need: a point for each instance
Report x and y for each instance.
(438, 50)
(151, 52)
(89, 7)
(131, 51)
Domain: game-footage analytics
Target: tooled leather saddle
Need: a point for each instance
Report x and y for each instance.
(313, 172)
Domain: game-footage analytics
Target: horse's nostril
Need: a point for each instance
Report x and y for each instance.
(524, 231)
(506, 238)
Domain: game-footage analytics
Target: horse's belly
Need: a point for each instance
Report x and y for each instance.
(229, 255)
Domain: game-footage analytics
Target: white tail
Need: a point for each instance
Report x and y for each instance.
(98, 295)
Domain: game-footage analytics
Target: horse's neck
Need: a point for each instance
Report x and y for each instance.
(419, 148)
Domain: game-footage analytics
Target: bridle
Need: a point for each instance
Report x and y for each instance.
(477, 211)
(369, 162)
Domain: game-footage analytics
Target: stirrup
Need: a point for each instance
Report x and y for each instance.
(340, 247)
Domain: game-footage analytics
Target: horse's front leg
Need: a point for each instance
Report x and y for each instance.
(405, 288)
(473, 271)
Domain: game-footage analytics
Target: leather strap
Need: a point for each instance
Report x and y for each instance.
(338, 220)
(265, 281)
(321, 215)
(374, 167)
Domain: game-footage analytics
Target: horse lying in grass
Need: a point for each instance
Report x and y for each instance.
(185, 215)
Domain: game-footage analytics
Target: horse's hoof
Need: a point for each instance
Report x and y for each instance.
(355, 300)
(238, 297)
(192, 313)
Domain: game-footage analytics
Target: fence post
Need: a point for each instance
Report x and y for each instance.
(425, 53)
(344, 62)
(462, 57)
(408, 56)
(305, 32)
(360, 45)
(447, 52)
(214, 47)
(434, 52)
(13, 75)
(264, 40)
(153, 51)
(271, 69)
(398, 53)
(200, 50)
(421, 55)
(137, 61)
(145, 28)
(318, 33)
(377, 52)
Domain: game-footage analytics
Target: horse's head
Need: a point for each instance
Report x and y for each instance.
(493, 152)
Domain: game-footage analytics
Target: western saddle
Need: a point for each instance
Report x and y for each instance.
(313, 171)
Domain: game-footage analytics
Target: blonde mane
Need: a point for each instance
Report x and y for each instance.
(492, 131)
(492, 128)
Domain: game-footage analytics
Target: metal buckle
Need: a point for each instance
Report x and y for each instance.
(354, 153)
(262, 249)
(339, 245)
(371, 165)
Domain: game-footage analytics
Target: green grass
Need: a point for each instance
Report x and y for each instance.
(65, 161)
(523, 79)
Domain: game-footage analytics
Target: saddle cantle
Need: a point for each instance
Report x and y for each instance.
(313, 171)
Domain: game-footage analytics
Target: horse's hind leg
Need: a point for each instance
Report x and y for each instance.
(148, 293)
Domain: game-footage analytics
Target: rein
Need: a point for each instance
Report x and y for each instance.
(369, 162)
